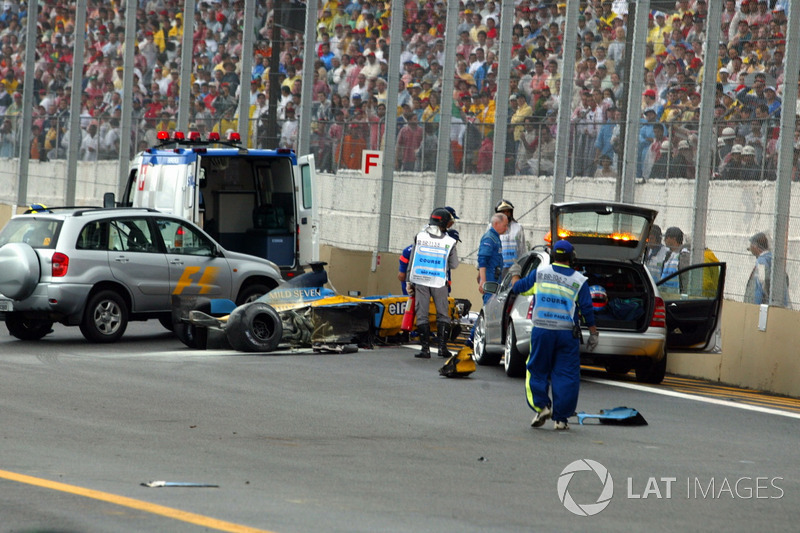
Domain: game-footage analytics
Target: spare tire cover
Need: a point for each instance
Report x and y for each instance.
(19, 270)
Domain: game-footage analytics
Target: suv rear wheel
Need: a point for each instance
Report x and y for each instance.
(105, 318)
(28, 329)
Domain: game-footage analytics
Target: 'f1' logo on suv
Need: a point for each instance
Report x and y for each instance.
(206, 281)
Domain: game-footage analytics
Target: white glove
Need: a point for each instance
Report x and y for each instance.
(515, 270)
(591, 344)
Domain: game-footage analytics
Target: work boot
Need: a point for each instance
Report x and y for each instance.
(424, 331)
(443, 331)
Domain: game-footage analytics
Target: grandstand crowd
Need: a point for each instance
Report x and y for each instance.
(351, 71)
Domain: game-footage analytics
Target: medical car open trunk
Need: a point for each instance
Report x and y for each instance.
(628, 298)
(610, 242)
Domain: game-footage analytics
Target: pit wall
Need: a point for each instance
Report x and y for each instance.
(763, 360)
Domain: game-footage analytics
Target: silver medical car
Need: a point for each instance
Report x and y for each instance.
(639, 319)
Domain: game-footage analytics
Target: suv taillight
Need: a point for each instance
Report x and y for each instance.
(659, 319)
(530, 310)
(60, 265)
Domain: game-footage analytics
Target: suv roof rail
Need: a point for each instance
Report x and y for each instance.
(45, 209)
(81, 212)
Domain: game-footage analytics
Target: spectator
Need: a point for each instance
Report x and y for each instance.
(676, 259)
(543, 161)
(528, 141)
(409, 140)
(758, 287)
(289, 127)
(662, 161)
(109, 143)
(7, 140)
(731, 167)
(605, 170)
(616, 50)
(750, 170)
(682, 165)
(773, 103)
(603, 144)
(90, 143)
(656, 252)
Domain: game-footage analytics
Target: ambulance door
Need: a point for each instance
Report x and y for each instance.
(130, 185)
(307, 210)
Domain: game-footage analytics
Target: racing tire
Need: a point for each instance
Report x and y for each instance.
(455, 331)
(619, 369)
(105, 318)
(251, 293)
(513, 361)
(27, 329)
(479, 353)
(254, 327)
(166, 321)
(194, 337)
(652, 372)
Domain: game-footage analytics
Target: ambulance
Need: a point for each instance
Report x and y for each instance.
(255, 201)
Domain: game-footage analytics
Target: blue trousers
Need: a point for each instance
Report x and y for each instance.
(554, 361)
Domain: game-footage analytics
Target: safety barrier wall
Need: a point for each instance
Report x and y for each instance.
(47, 185)
(350, 212)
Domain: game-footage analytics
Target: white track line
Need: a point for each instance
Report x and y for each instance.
(683, 395)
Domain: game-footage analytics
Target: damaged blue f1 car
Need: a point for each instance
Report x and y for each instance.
(300, 313)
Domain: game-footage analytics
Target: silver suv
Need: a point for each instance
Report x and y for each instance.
(100, 268)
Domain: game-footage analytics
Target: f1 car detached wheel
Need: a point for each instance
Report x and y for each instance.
(193, 336)
(514, 362)
(27, 329)
(251, 293)
(166, 321)
(650, 371)
(254, 327)
(105, 318)
(479, 345)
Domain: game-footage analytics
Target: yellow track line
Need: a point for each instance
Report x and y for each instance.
(753, 400)
(688, 385)
(131, 503)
